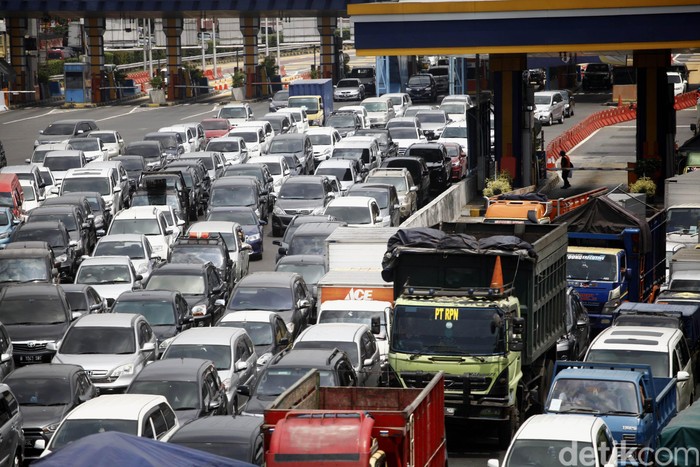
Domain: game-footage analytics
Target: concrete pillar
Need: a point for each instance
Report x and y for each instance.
(17, 28)
(656, 118)
(250, 26)
(95, 29)
(509, 121)
(326, 28)
(172, 27)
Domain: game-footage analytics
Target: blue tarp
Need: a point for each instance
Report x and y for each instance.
(112, 448)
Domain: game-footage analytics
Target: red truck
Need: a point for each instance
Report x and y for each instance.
(356, 426)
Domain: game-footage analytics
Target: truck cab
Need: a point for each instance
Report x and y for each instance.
(313, 106)
(599, 275)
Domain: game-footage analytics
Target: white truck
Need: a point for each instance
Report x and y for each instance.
(682, 203)
(684, 270)
(352, 247)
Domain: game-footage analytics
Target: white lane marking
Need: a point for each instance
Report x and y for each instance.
(198, 114)
(127, 113)
(39, 116)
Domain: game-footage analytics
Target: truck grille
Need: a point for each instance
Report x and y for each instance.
(402, 151)
(452, 383)
(292, 212)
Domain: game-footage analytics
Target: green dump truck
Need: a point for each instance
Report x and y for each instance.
(484, 303)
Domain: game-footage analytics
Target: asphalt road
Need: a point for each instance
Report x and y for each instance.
(609, 148)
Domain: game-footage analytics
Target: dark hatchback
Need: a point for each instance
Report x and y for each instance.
(36, 316)
(237, 437)
(240, 191)
(151, 151)
(57, 237)
(201, 286)
(166, 311)
(422, 87)
(46, 393)
(27, 265)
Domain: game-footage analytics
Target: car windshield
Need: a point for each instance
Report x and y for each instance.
(279, 146)
(431, 117)
(85, 144)
(215, 124)
(53, 237)
(323, 140)
(46, 176)
(454, 132)
(135, 226)
(195, 254)
(39, 154)
(62, 129)
(398, 182)
(657, 360)
(132, 164)
(155, 199)
(157, 313)
(274, 381)
(418, 81)
(260, 333)
(248, 136)
(103, 274)
(99, 184)
(233, 112)
(354, 316)
(344, 174)
(274, 167)
(375, 106)
(429, 154)
(242, 217)
(454, 108)
(311, 273)
(678, 219)
(77, 301)
(348, 347)
(570, 395)
(232, 196)
(311, 104)
(105, 137)
(291, 190)
(382, 197)
(223, 146)
(674, 78)
(307, 245)
(31, 310)
(62, 163)
(261, 298)
(341, 121)
(181, 395)
(219, 354)
(73, 430)
(348, 83)
(68, 219)
(28, 191)
(396, 100)
(591, 267)
(80, 340)
(169, 141)
(350, 214)
(149, 152)
(41, 391)
(251, 170)
(134, 250)
(24, 270)
(281, 96)
(550, 452)
(186, 284)
(403, 133)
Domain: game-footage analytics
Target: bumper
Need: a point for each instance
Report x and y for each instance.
(281, 222)
(346, 97)
(31, 435)
(257, 246)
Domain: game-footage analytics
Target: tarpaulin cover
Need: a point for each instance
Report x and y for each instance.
(436, 240)
(524, 197)
(605, 216)
(113, 448)
(682, 433)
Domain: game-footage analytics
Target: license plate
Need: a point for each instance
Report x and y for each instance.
(30, 359)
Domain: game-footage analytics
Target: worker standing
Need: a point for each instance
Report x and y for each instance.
(566, 167)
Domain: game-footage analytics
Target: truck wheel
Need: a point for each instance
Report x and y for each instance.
(507, 430)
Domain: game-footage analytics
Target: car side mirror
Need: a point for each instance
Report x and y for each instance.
(54, 191)
(73, 243)
(40, 444)
(375, 325)
(148, 347)
(243, 390)
(492, 463)
(169, 230)
(214, 404)
(75, 315)
(413, 188)
(29, 161)
(281, 251)
(240, 366)
(367, 362)
(220, 302)
(682, 376)
(6, 357)
(284, 341)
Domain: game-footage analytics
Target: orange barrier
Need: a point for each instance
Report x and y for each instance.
(141, 78)
(686, 100)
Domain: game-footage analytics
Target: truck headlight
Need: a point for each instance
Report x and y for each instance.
(123, 370)
(199, 310)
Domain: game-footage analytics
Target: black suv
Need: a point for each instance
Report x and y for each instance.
(422, 87)
(79, 227)
(201, 286)
(11, 421)
(536, 77)
(597, 76)
(36, 317)
(241, 191)
(200, 248)
(151, 151)
(172, 143)
(334, 367)
(194, 183)
(27, 265)
(303, 194)
(436, 159)
(56, 235)
(160, 181)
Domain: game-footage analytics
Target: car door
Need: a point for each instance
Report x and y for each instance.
(10, 428)
(8, 364)
(370, 367)
(245, 362)
(684, 362)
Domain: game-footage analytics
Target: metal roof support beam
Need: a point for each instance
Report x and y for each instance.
(326, 28)
(18, 29)
(250, 26)
(95, 29)
(172, 27)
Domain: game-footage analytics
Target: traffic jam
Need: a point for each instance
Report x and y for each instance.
(131, 304)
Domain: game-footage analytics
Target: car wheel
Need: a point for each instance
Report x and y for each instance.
(571, 112)
(550, 122)
(561, 119)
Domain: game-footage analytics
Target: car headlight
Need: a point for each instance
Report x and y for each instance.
(279, 211)
(5, 234)
(227, 384)
(252, 238)
(166, 343)
(318, 211)
(157, 248)
(50, 428)
(62, 258)
(123, 370)
(199, 310)
(290, 327)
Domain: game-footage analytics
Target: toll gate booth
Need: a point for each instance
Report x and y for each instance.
(78, 85)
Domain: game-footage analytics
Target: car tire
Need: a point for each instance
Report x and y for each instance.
(550, 122)
(561, 119)
(571, 112)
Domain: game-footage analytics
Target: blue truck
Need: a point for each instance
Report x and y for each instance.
(634, 404)
(315, 95)
(613, 257)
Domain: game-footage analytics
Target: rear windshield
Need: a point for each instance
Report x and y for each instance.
(62, 163)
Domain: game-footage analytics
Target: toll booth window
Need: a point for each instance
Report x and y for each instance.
(74, 80)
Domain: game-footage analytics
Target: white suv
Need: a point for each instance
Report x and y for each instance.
(149, 221)
(95, 179)
(235, 113)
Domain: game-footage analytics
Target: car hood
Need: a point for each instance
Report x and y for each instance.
(38, 416)
(164, 331)
(111, 290)
(193, 300)
(298, 203)
(49, 139)
(95, 362)
(186, 415)
(214, 133)
(50, 332)
(250, 230)
(257, 404)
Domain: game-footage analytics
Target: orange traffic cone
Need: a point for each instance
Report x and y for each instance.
(497, 277)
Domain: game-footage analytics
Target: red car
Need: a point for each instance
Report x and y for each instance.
(459, 160)
(215, 127)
